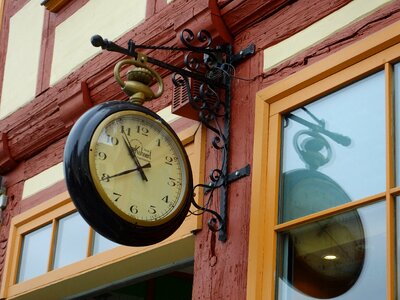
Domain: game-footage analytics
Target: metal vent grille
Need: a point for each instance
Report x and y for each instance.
(180, 101)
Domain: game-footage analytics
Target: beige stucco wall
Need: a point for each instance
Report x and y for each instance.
(110, 19)
(22, 59)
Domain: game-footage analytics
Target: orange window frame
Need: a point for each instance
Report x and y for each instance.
(105, 267)
(379, 51)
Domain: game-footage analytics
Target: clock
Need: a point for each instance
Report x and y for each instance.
(128, 173)
(326, 257)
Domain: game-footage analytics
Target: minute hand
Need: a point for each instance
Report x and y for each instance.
(148, 165)
(135, 159)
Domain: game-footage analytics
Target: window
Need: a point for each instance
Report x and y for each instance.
(35, 253)
(325, 178)
(74, 240)
(51, 249)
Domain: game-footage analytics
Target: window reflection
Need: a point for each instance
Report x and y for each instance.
(72, 240)
(101, 244)
(34, 258)
(342, 256)
(333, 150)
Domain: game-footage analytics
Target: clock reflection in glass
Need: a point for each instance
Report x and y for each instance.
(325, 257)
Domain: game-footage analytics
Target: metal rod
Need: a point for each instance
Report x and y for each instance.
(98, 41)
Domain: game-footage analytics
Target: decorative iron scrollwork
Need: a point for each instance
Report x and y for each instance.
(212, 68)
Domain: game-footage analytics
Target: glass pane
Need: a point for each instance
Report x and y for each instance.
(101, 243)
(333, 149)
(342, 257)
(397, 119)
(35, 253)
(72, 240)
(398, 242)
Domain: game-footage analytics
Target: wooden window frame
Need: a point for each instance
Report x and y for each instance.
(376, 52)
(54, 5)
(181, 243)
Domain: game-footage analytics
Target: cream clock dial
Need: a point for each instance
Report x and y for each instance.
(137, 168)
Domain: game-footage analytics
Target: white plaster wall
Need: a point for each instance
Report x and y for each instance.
(43, 180)
(108, 18)
(319, 31)
(22, 59)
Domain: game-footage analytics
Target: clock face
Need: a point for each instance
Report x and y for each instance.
(128, 173)
(138, 168)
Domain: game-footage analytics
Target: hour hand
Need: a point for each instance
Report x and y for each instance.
(134, 157)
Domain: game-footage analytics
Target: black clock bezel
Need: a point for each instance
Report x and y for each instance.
(85, 195)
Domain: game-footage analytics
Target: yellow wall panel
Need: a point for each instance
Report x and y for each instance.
(22, 59)
(110, 19)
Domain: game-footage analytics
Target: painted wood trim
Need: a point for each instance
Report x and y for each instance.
(1, 14)
(54, 5)
(46, 53)
(389, 103)
(272, 183)
(89, 247)
(11, 254)
(391, 265)
(330, 212)
(395, 191)
(257, 215)
(52, 245)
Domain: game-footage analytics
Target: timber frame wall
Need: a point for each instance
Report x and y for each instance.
(32, 138)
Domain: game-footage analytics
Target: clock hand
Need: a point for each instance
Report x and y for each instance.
(148, 165)
(133, 155)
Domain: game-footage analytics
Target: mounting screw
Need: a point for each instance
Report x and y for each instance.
(237, 173)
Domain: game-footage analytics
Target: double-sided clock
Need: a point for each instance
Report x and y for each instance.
(128, 173)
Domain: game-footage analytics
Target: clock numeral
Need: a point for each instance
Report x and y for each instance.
(165, 199)
(158, 142)
(134, 209)
(142, 130)
(112, 140)
(102, 155)
(127, 130)
(117, 196)
(172, 181)
(152, 210)
(169, 160)
(105, 177)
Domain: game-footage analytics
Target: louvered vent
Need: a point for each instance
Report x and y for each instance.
(180, 101)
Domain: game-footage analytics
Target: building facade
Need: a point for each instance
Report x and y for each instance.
(314, 113)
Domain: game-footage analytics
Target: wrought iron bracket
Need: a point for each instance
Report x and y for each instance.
(213, 67)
